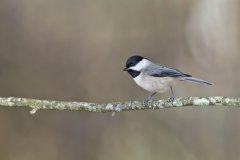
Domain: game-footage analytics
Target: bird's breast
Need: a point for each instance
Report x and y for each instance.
(155, 84)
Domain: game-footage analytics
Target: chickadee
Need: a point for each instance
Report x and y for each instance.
(156, 78)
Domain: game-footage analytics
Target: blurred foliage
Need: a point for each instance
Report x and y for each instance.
(76, 50)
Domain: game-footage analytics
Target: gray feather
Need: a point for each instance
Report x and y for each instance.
(196, 80)
(157, 70)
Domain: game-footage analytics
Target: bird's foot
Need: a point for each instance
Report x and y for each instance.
(171, 99)
(147, 100)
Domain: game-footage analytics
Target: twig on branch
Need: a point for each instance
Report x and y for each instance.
(36, 104)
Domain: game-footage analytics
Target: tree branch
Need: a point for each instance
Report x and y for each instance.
(36, 104)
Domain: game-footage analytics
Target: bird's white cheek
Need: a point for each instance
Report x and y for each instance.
(142, 64)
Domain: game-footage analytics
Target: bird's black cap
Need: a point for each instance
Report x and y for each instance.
(132, 61)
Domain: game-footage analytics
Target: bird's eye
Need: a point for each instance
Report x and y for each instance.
(128, 65)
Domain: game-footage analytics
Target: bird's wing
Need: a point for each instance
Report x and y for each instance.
(157, 70)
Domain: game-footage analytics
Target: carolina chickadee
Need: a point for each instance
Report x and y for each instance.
(156, 78)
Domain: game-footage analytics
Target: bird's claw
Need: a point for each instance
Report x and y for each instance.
(171, 99)
(147, 100)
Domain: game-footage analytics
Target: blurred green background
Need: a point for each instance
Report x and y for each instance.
(75, 51)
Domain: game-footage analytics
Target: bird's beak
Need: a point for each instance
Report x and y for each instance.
(125, 69)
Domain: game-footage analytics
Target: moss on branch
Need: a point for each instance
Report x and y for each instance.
(35, 104)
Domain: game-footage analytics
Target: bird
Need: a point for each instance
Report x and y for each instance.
(157, 78)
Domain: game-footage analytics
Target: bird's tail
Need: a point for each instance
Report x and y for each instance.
(196, 80)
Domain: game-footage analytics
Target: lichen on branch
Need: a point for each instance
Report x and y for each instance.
(36, 104)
